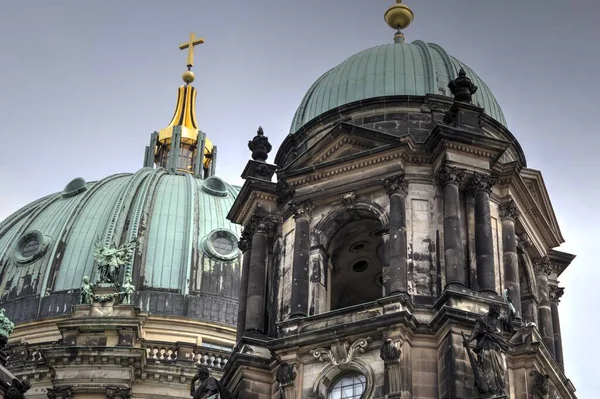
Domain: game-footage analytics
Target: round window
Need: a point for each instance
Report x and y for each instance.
(348, 386)
(221, 244)
(31, 246)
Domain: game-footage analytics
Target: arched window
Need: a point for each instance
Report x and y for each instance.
(348, 386)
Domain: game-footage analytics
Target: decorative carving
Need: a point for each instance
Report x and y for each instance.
(261, 224)
(209, 386)
(340, 353)
(462, 87)
(118, 393)
(556, 293)
(509, 210)
(523, 241)
(284, 192)
(390, 352)
(86, 295)
(17, 389)
(396, 184)
(480, 182)
(447, 174)
(543, 266)
(302, 209)
(286, 374)
(6, 328)
(260, 146)
(349, 199)
(244, 242)
(541, 384)
(60, 393)
(126, 290)
(111, 258)
(488, 359)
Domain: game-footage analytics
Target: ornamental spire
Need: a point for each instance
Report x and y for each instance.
(398, 17)
(181, 146)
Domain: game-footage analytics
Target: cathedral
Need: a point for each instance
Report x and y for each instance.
(396, 245)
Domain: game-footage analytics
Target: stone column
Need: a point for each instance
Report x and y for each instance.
(481, 187)
(390, 354)
(555, 293)
(509, 214)
(543, 268)
(285, 376)
(454, 252)
(244, 246)
(256, 298)
(396, 280)
(300, 265)
(318, 274)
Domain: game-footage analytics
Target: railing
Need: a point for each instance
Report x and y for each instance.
(201, 356)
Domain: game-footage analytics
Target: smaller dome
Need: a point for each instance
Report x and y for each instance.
(413, 69)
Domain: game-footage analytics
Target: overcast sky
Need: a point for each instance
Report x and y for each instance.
(83, 84)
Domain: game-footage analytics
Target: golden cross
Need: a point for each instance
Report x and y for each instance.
(190, 46)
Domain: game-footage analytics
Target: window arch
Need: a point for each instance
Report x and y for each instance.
(329, 377)
(349, 385)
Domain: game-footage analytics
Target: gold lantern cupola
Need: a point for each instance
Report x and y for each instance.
(398, 17)
(181, 146)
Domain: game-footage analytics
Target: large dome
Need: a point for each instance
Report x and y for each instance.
(186, 261)
(416, 68)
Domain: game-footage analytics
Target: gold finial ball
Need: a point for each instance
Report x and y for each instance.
(399, 16)
(188, 77)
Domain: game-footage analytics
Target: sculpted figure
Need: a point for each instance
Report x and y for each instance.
(86, 295)
(126, 290)
(210, 388)
(110, 259)
(489, 363)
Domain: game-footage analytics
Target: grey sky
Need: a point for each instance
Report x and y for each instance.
(83, 84)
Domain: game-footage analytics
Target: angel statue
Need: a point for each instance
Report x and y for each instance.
(110, 259)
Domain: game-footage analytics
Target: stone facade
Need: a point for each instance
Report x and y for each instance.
(395, 224)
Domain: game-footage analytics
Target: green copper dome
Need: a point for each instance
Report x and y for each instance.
(416, 68)
(186, 260)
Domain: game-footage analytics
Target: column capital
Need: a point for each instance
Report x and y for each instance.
(479, 182)
(261, 224)
(447, 174)
(556, 293)
(508, 210)
(542, 266)
(390, 352)
(302, 209)
(396, 184)
(118, 393)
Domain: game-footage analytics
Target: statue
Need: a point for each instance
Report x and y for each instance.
(86, 295)
(210, 388)
(126, 290)
(6, 327)
(489, 367)
(462, 88)
(110, 259)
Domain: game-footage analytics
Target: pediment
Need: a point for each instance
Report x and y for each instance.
(342, 141)
(533, 181)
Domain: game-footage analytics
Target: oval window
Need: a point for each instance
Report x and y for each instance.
(221, 244)
(31, 246)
